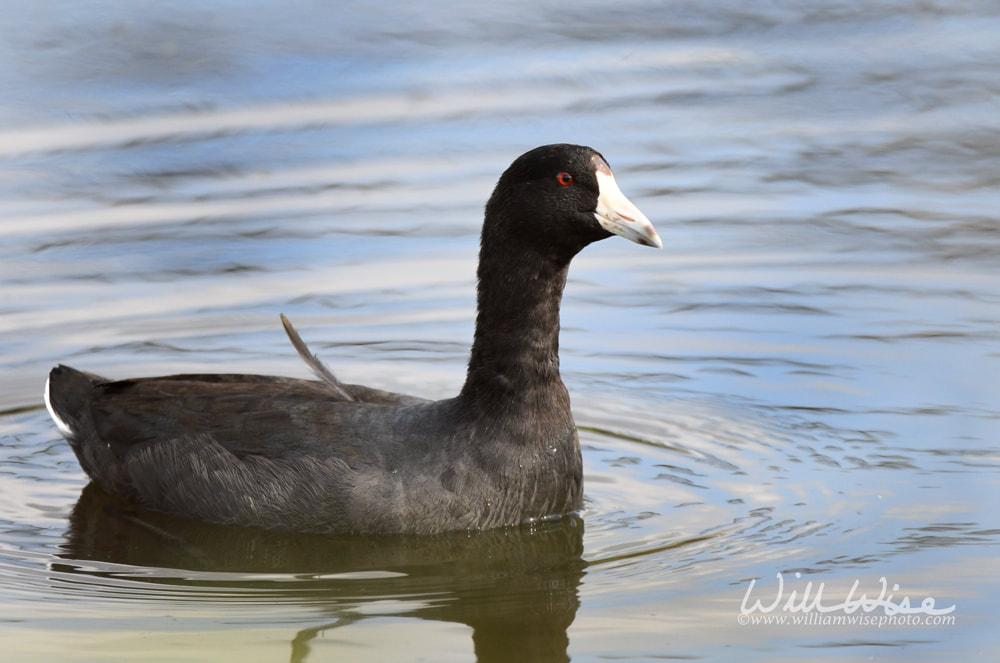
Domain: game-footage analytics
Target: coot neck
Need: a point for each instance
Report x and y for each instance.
(514, 365)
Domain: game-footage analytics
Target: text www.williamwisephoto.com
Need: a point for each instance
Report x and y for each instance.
(815, 605)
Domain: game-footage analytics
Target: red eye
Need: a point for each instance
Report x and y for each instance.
(564, 178)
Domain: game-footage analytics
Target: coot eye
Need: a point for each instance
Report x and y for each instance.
(564, 178)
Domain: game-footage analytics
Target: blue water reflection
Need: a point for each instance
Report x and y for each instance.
(803, 380)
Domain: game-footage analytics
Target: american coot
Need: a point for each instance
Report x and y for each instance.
(325, 456)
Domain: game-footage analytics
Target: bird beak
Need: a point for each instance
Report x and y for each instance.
(618, 215)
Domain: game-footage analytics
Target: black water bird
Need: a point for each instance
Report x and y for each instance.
(324, 456)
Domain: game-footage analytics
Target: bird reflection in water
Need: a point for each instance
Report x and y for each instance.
(517, 588)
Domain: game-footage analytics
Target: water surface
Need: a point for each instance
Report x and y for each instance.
(803, 381)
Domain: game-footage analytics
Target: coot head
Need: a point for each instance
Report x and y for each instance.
(558, 199)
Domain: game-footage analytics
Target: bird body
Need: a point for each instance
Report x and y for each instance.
(324, 456)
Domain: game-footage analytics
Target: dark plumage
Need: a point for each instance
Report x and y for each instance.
(322, 456)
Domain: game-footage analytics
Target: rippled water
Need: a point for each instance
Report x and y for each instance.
(804, 381)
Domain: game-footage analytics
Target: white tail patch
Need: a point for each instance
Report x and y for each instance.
(63, 427)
